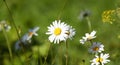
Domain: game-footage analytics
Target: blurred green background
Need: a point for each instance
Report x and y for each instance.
(30, 13)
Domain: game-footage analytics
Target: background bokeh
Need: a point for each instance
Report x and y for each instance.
(31, 13)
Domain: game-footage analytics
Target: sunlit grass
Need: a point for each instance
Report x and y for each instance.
(27, 14)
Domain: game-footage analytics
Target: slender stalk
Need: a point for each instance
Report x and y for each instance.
(47, 54)
(13, 23)
(53, 57)
(61, 11)
(53, 61)
(59, 16)
(45, 60)
(8, 44)
(39, 58)
(12, 20)
(91, 42)
(89, 23)
(58, 53)
(66, 56)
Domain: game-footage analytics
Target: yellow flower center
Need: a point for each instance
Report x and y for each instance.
(99, 59)
(95, 48)
(89, 37)
(57, 31)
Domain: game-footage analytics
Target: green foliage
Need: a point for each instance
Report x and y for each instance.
(30, 13)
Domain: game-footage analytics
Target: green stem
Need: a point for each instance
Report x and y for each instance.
(61, 11)
(59, 54)
(12, 20)
(13, 23)
(53, 61)
(50, 46)
(39, 58)
(53, 56)
(91, 42)
(45, 60)
(89, 23)
(66, 56)
(8, 44)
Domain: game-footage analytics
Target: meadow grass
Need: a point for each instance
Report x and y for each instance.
(23, 15)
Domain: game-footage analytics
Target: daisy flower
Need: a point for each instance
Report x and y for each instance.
(96, 47)
(102, 59)
(71, 32)
(88, 37)
(57, 31)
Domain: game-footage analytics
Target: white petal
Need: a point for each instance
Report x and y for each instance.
(93, 33)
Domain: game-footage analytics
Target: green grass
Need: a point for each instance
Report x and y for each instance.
(30, 13)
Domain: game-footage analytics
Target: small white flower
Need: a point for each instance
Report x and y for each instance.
(57, 31)
(27, 37)
(83, 40)
(4, 25)
(102, 59)
(96, 47)
(88, 37)
(7, 27)
(71, 32)
(32, 32)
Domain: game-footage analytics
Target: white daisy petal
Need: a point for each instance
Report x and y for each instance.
(93, 33)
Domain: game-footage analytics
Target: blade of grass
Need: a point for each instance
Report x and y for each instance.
(8, 44)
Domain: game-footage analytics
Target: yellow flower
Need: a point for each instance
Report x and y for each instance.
(108, 16)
